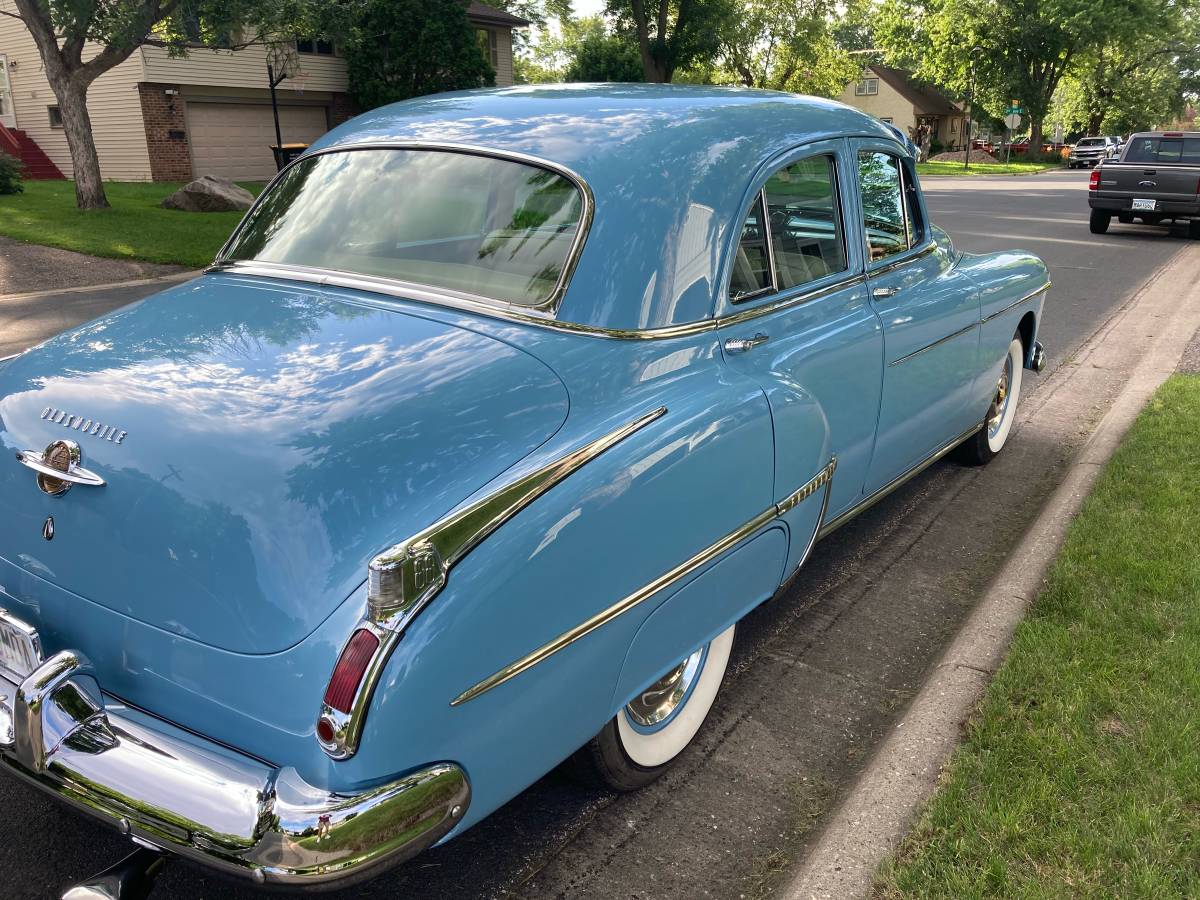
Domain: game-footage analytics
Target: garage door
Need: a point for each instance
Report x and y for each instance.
(234, 139)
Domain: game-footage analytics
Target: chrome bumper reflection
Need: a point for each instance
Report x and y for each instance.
(198, 799)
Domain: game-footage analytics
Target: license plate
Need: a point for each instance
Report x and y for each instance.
(20, 649)
(1143, 204)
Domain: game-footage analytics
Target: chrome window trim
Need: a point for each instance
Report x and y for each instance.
(915, 250)
(550, 305)
(790, 299)
(899, 262)
(424, 563)
(646, 591)
(1045, 287)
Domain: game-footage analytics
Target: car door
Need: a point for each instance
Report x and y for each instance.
(929, 313)
(796, 318)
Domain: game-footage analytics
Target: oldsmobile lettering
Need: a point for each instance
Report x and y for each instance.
(85, 426)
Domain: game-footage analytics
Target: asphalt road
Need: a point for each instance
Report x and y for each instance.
(819, 674)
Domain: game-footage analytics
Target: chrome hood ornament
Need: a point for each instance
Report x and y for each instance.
(59, 466)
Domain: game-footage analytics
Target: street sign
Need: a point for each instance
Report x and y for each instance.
(1012, 121)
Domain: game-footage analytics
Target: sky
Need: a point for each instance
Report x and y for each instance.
(587, 7)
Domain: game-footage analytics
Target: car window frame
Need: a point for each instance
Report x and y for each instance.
(773, 295)
(909, 185)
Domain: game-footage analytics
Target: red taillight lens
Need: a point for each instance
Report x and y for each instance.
(1094, 180)
(348, 672)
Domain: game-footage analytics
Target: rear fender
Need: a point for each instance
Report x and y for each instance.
(613, 529)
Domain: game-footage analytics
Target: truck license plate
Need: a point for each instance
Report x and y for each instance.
(1143, 204)
(20, 649)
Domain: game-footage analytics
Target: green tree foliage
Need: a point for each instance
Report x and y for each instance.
(396, 49)
(786, 45)
(601, 55)
(1021, 49)
(673, 34)
(107, 32)
(1135, 79)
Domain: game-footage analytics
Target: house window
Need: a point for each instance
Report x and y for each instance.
(55, 115)
(489, 45)
(314, 46)
(866, 87)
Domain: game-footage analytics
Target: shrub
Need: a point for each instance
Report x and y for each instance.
(10, 174)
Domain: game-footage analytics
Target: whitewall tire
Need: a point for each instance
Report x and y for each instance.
(983, 446)
(654, 728)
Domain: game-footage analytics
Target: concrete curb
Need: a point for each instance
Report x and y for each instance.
(872, 819)
(91, 288)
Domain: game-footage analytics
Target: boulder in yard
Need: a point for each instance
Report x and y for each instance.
(209, 193)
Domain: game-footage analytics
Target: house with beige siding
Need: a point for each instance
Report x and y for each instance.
(896, 96)
(161, 118)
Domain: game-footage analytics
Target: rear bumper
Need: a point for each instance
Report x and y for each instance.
(174, 790)
(1164, 208)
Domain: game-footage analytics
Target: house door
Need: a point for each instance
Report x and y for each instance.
(8, 115)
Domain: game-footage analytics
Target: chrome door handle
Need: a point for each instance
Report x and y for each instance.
(741, 345)
(884, 293)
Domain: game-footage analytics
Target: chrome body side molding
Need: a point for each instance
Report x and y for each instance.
(867, 502)
(709, 553)
(938, 342)
(1045, 287)
(405, 578)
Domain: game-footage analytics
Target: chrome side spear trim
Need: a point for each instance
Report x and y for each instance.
(713, 550)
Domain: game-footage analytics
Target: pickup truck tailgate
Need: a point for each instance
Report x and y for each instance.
(1171, 184)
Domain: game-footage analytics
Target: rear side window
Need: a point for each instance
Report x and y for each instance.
(1163, 150)
(802, 209)
(793, 233)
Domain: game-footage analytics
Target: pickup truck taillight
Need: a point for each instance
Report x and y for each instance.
(1094, 181)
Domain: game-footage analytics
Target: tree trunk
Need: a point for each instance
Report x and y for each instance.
(1095, 122)
(1035, 135)
(77, 127)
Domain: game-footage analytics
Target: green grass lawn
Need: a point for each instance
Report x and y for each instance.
(1013, 168)
(136, 227)
(1080, 775)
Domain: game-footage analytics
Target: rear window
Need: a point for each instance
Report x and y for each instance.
(1163, 150)
(492, 228)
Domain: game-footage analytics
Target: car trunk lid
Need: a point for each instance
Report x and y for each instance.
(260, 441)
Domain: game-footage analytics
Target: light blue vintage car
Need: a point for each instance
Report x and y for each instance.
(492, 419)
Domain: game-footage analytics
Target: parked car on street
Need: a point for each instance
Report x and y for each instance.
(1154, 181)
(1090, 150)
(493, 417)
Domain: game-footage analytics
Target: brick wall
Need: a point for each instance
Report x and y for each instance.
(340, 109)
(166, 132)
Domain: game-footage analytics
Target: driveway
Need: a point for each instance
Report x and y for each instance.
(820, 674)
(29, 267)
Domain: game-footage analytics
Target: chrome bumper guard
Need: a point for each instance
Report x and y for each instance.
(168, 788)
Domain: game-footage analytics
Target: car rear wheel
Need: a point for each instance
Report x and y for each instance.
(1099, 221)
(982, 447)
(638, 744)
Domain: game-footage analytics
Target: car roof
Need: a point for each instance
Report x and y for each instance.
(668, 165)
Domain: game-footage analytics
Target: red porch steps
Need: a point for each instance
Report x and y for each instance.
(37, 165)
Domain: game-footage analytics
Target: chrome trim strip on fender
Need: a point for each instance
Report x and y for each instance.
(1045, 287)
(549, 305)
(405, 578)
(713, 550)
(941, 340)
(865, 504)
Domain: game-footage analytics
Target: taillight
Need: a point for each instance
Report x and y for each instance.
(1094, 180)
(349, 671)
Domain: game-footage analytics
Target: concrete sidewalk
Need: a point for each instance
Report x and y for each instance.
(1115, 373)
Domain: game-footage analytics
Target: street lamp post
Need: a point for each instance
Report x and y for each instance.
(970, 110)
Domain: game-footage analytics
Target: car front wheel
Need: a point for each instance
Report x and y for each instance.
(1099, 221)
(638, 744)
(982, 447)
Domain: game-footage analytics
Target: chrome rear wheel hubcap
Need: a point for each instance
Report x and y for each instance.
(660, 701)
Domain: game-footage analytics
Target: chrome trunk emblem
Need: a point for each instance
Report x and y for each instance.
(59, 466)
